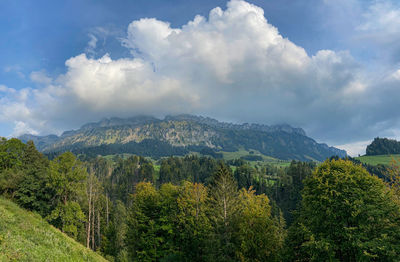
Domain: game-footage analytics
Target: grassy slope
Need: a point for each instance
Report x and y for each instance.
(25, 236)
(380, 159)
(226, 156)
(266, 159)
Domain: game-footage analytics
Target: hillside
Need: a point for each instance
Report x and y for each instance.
(179, 135)
(378, 159)
(25, 236)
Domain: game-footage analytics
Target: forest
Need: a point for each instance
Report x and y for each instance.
(206, 209)
(383, 146)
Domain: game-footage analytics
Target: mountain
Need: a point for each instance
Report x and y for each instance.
(25, 236)
(179, 135)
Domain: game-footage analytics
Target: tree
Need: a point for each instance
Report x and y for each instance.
(114, 239)
(11, 153)
(93, 195)
(11, 160)
(67, 180)
(257, 235)
(192, 221)
(142, 237)
(224, 202)
(244, 175)
(67, 175)
(126, 174)
(290, 184)
(346, 215)
(32, 192)
(69, 218)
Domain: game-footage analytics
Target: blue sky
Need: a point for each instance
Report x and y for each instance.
(331, 67)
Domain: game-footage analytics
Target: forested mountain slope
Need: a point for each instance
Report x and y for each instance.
(25, 236)
(178, 135)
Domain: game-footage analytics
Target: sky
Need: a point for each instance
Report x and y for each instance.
(331, 67)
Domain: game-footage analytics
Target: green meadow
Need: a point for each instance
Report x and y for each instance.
(25, 236)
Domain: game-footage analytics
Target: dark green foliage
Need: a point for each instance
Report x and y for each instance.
(236, 162)
(289, 187)
(171, 170)
(346, 215)
(383, 146)
(33, 192)
(11, 153)
(206, 151)
(67, 175)
(9, 181)
(114, 237)
(245, 176)
(190, 168)
(68, 217)
(66, 179)
(193, 211)
(126, 174)
(148, 230)
(26, 176)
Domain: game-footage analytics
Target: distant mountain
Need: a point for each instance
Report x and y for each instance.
(178, 135)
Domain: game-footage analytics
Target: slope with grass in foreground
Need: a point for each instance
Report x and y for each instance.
(25, 236)
(378, 159)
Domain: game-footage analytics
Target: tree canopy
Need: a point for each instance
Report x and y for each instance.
(346, 214)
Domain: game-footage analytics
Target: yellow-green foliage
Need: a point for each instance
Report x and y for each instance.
(25, 236)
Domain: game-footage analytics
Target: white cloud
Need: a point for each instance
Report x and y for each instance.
(356, 148)
(91, 45)
(380, 25)
(382, 17)
(40, 77)
(15, 69)
(5, 89)
(21, 128)
(231, 65)
(396, 75)
(123, 85)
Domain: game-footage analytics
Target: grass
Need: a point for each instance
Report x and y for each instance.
(243, 152)
(25, 236)
(379, 159)
(265, 159)
(226, 156)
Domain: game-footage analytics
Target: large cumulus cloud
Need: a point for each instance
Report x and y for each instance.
(232, 65)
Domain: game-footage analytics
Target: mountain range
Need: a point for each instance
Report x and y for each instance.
(182, 134)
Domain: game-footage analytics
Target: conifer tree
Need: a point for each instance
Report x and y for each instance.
(224, 205)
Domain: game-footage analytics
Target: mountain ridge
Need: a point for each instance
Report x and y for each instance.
(189, 133)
